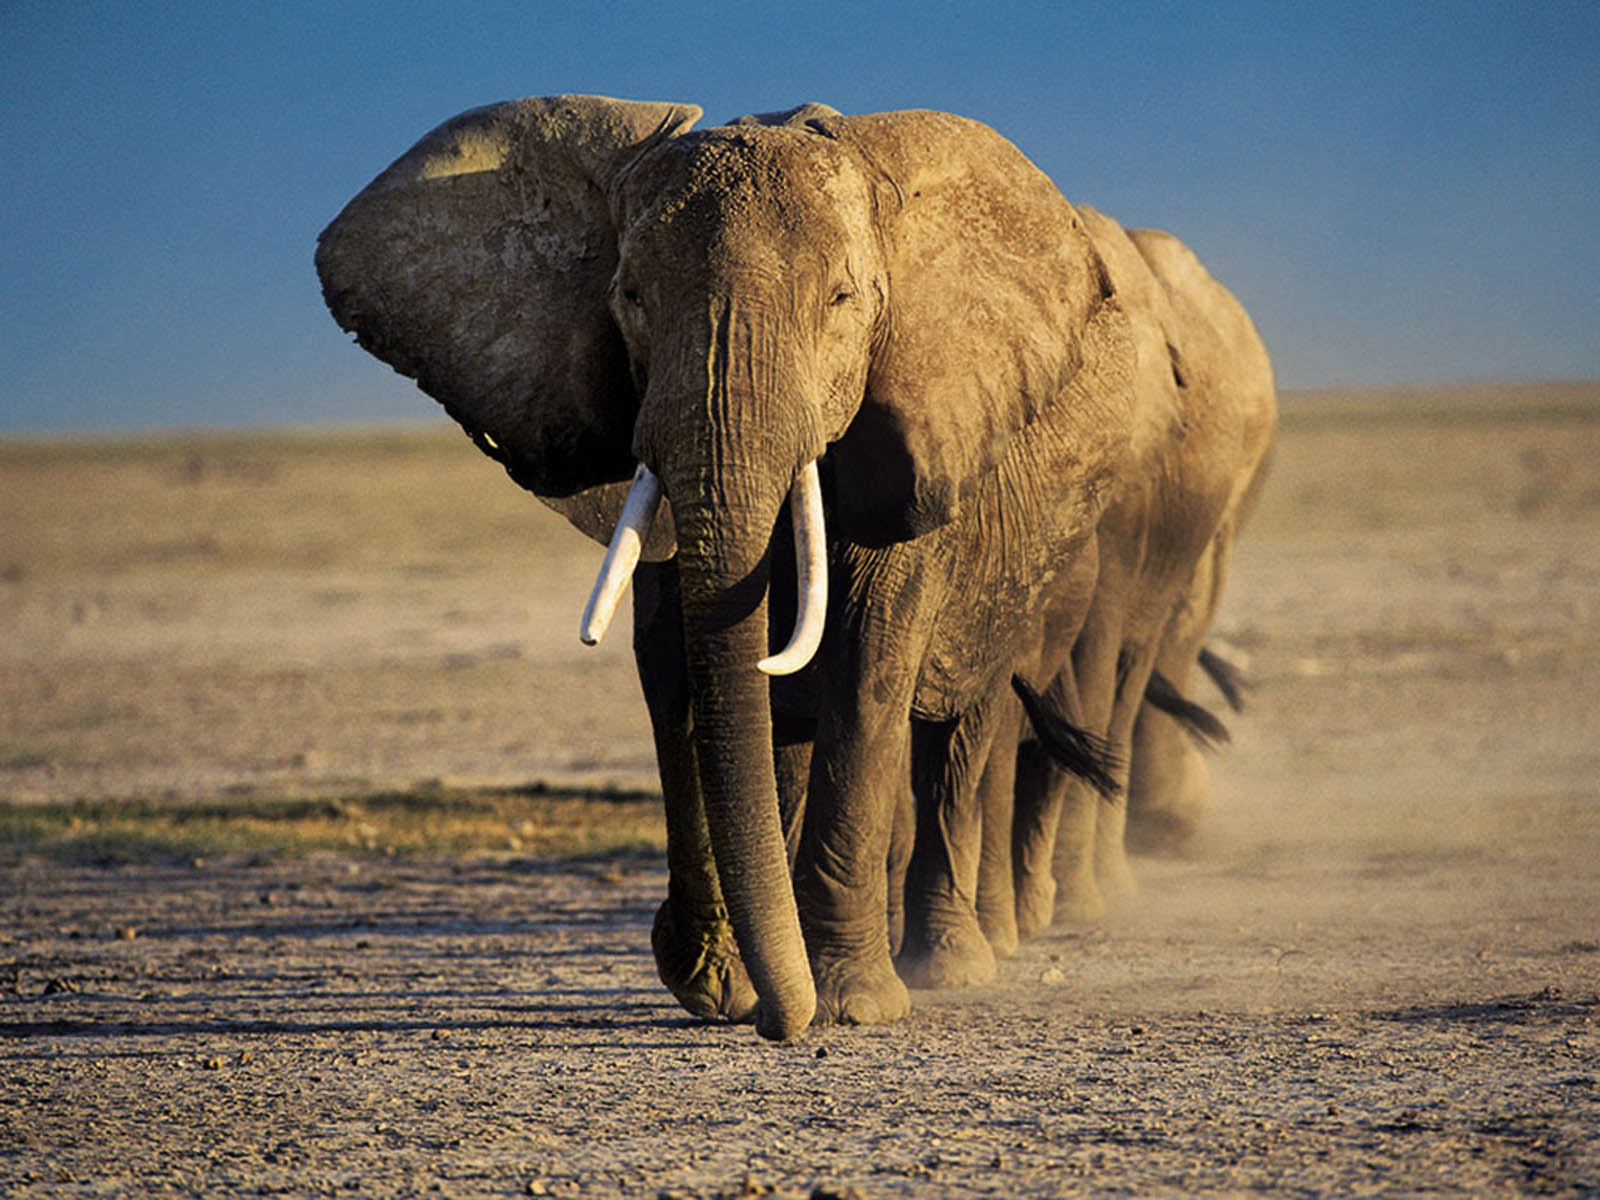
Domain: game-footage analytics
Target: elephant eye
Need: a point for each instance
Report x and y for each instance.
(841, 295)
(631, 295)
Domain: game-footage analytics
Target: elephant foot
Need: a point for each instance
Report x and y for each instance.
(1036, 903)
(953, 954)
(1000, 928)
(699, 962)
(1079, 901)
(855, 992)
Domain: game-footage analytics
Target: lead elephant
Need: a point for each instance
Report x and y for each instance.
(895, 317)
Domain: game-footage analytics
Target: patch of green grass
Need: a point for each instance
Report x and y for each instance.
(533, 822)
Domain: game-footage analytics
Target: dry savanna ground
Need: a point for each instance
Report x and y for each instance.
(328, 856)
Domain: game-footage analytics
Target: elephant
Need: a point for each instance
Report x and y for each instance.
(887, 339)
(1203, 451)
(1115, 669)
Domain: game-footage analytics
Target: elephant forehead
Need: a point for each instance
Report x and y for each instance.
(757, 179)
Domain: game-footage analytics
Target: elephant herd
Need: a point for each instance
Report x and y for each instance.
(935, 479)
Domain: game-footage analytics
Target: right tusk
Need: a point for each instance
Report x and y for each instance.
(811, 565)
(622, 556)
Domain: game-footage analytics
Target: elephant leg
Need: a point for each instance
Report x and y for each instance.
(859, 771)
(902, 837)
(692, 938)
(841, 876)
(997, 897)
(1080, 900)
(1111, 867)
(1169, 785)
(1169, 782)
(1041, 787)
(1053, 829)
(1039, 793)
(792, 742)
(945, 945)
(1080, 897)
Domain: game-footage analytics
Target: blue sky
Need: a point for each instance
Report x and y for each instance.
(1399, 192)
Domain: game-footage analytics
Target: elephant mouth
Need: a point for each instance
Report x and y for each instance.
(811, 566)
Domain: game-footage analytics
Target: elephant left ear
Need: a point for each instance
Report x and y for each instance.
(992, 283)
(478, 264)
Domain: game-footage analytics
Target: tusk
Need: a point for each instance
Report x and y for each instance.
(622, 556)
(811, 564)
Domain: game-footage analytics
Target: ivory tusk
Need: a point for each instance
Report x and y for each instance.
(622, 555)
(811, 566)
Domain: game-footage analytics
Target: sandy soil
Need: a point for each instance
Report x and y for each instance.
(1378, 971)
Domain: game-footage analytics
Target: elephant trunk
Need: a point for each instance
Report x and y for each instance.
(724, 567)
(730, 427)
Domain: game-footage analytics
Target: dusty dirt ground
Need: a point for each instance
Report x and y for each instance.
(1377, 972)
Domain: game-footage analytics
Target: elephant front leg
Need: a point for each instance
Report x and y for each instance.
(945, 945)
(1111, 866)
(1169, 783)
(1079, 899)
(692, 938)
(997, 896)
(1169, 789)
(1086, 818)
(902, 836)
(1039, 790)
(858, 775)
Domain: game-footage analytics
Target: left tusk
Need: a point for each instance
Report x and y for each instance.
(811, 565)
(622, 556)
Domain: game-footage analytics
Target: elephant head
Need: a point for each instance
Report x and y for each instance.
(587, 285)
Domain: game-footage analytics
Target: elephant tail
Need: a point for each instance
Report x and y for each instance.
(1076, 751)
(1227, 676)
(1207, 731)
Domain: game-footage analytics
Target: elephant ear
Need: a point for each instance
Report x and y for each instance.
(991, 281)
(478, 265)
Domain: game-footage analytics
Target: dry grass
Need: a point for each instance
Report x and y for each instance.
(416, 496)
(1434, 459)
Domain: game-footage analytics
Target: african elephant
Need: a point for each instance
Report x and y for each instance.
(1117, 642)
(896, 322)
(1202, 447)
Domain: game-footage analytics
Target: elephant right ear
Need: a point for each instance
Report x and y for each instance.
(478, 265)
